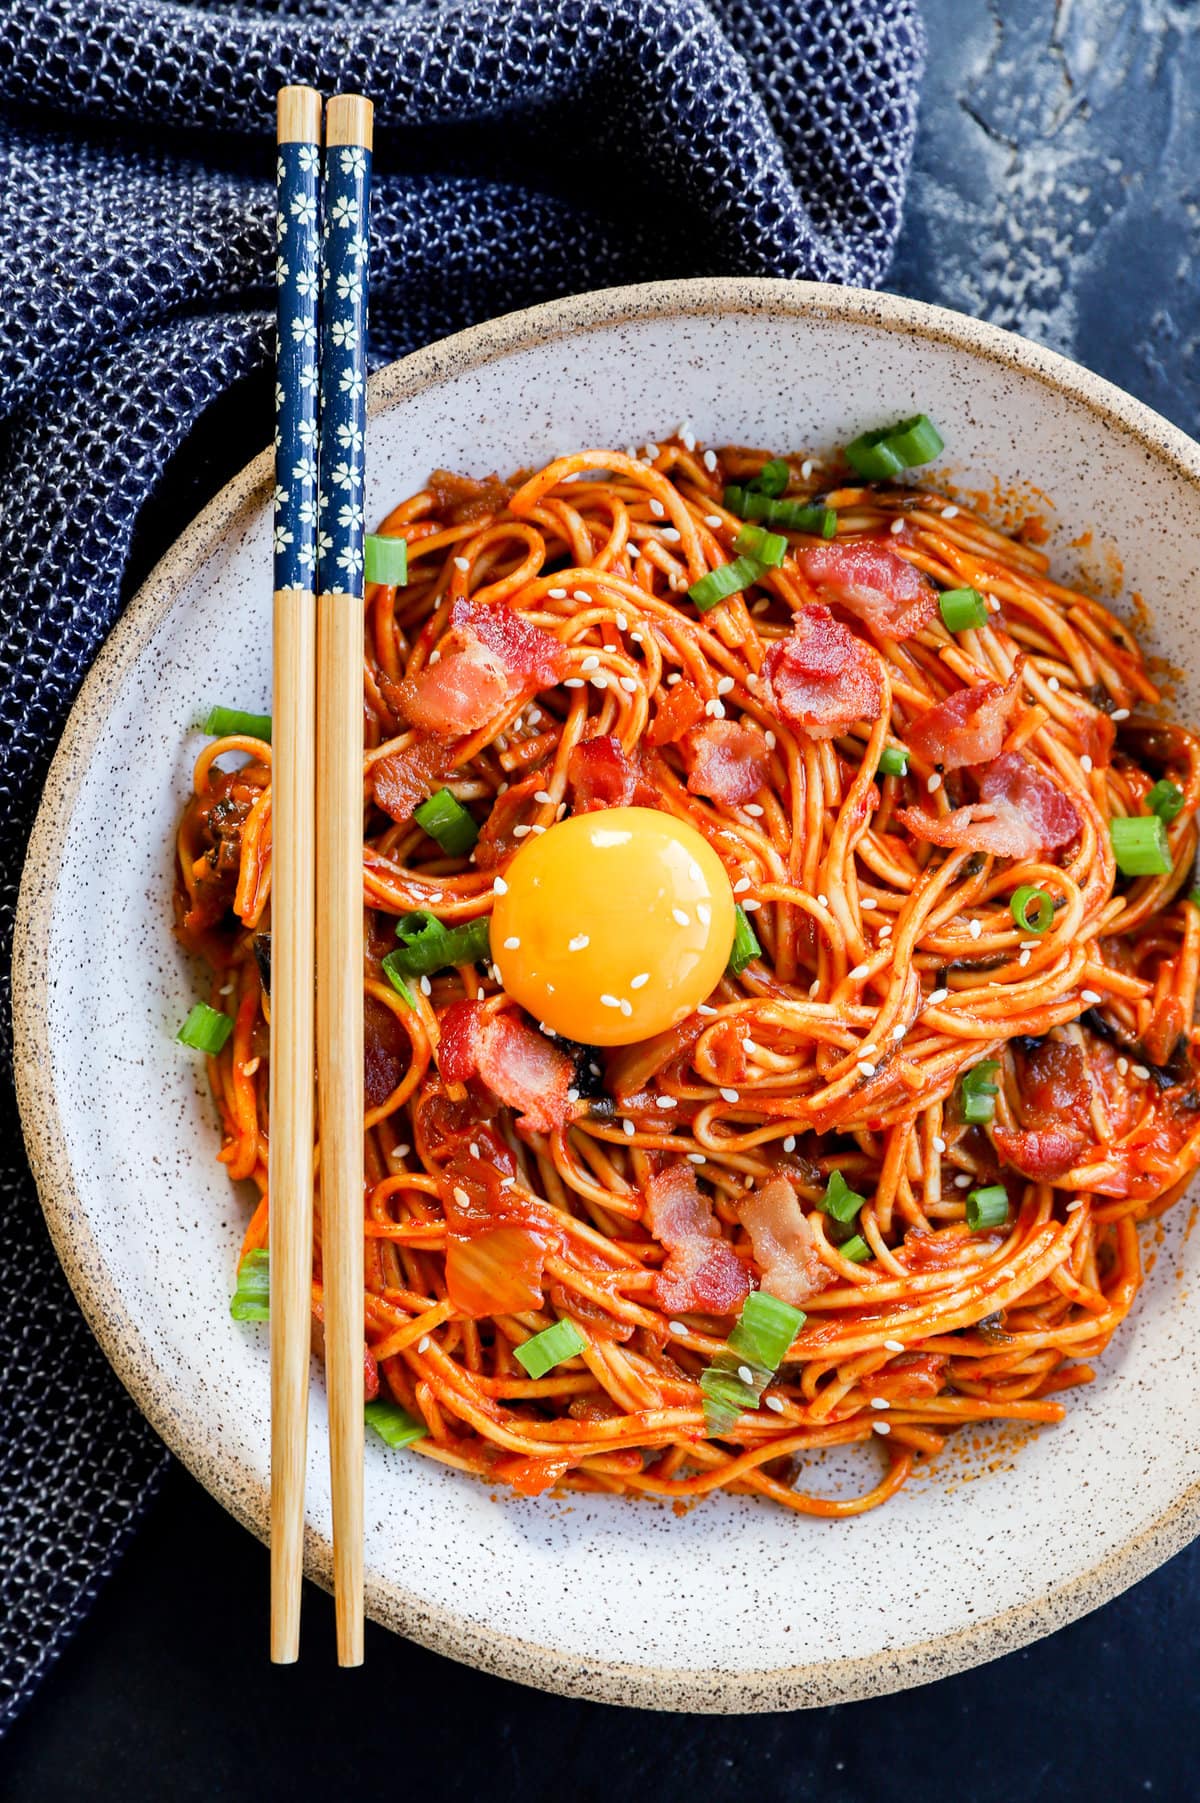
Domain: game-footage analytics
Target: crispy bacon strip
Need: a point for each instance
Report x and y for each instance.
(785, 1248)
(865, 576)
(1019, 814)
(726, 761)
(823, 677)
(969, 726)
(702, 1274)
(519, 1065)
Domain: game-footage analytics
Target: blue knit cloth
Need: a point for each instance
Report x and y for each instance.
(524, 149)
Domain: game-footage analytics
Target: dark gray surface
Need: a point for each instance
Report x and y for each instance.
(1057, 192)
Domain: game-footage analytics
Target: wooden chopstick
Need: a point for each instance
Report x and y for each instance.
(340, 834)
(293, 843)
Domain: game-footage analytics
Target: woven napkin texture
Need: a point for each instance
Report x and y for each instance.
(524, 149)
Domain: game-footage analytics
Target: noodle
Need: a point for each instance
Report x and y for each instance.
(891, 967)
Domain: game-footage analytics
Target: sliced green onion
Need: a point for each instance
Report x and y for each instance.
(962, 608)
(445, 819)
(393, 1424)
(770, 548)
(727, 579)
(549, 1348)
(839, 1199)
(745, 945)
(205, 1029)
(385, 560)
(397, 981)
(1165, 799)
(978, 1092)
(765, 1329)
(987, 1207)
(1032, 909)
(1140, 845)
(224, 722)
(878, 455)
(856, 1250)
(754, 1351)
(772, 478)
(429, 946)
(1194, 898)
(251, 1301)
(893, 761)
(793, 516)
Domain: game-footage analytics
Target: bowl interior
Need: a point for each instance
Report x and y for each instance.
(733, 1604)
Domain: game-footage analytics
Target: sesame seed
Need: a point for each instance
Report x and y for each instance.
(950, 513)
(657, 508)
(771, 740)
(697, 1158)
(636, 638)
(1053, 684)
(572, 682)
(789, 1144)
(629, 1129)
(899, 1030)
(937, 997)
(678, 1329)
(629, 684)
(1090, 996)
(572, 1095)
(651, 450)
(668, 1102)
(880, 1402)
(673, 679)
(609, 1001)
(724, 685)
(557, 594)
(631, 550)
(590, 663)
(939, 1144)
(461, 1197)
(1024, 959)
(520, 832)
(750, 906)
(499, 887)
(251, 1069)
(640, 981)
(426, 986)
(1139, 1070)
(962, 1181)
(893, 1345)
(512, 943)
(715, 709)
(753, 807)
(689, 440)
(745, 1373)
(626, 1008)
(423, 1343)
(975, 928)
(730, 1095)
(741, 886)
(896, 527)
(868, 901)
(1028, 945)
(704, 1008)
(401, 1151)
(773, 1402)
(1123, 1067)
(507, 1182)
(600, 681)
(806, 469)
(866, 1068)
(713, 519)
(1120, 713)
(882, 1427)
(933, 783)
(671, 534)
(885, 932)
(859, 972)
(710, 460)
(814, 987)
(704, 914)
(993, 604)
(866, 1051)
(461, 563)
(680, 918)
(542, 795)
(822, 901)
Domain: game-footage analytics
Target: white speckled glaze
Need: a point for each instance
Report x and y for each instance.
(734, 1605)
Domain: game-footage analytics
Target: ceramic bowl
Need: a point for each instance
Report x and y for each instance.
(734, 1604)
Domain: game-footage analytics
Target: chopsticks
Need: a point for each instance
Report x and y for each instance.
(317, 803)
(340, 545)
(293, 835)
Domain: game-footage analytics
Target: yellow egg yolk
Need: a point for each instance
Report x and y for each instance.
(613, 925)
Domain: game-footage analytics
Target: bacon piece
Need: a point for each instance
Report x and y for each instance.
(603, 775)
(866, 577)
(1042, 1153)
(823, 677)
(404, 779)
(726, 762)
(785, 1248)
(677, 709)
(462, 691)
(1019, 814)
(525, 650)
(702, 1273)
(385, 1051)
(1054, 1084)
(457, 1052)
(527, 1072)
(969, 726)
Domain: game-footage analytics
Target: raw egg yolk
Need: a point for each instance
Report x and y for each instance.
(614, 925)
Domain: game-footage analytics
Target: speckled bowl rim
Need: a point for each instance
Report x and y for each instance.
(238, 1488)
